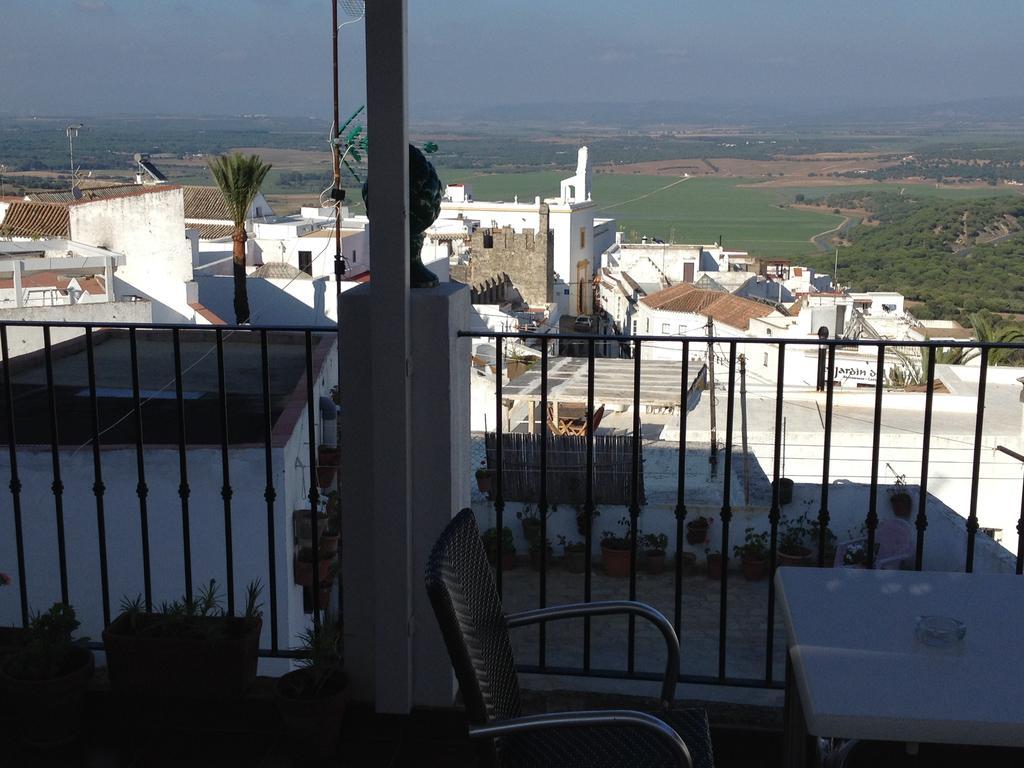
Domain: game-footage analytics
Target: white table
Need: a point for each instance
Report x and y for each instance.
(857, 671)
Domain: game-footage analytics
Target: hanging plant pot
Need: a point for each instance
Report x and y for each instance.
(484, 480)
(785, 486)
(901, 505)
(697, 531)
(304, 571)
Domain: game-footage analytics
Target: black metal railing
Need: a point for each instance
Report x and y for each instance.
(827, 350)
(226, 416)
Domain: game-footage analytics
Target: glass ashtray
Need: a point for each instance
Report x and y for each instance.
(940, 631)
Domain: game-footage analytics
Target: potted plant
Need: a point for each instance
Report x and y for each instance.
(187, 649)
(312, 699)
(793, 550)
(753, 555)
(654, 546)
(714, 562)
(332, 531)
(536, 550)
(47, 679)
(616, 551)
(484, 478)
(508, 547)
(899, 499)
(581, 519)
(697, 529)
(856, 555)
(575, 555)
(814, 530)
(688, 562)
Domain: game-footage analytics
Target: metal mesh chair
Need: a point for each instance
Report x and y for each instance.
(475, 630)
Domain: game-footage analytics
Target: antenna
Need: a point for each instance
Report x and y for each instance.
(72, 132)
(354, 8)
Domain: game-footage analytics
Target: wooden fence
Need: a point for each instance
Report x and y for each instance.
(567, 468)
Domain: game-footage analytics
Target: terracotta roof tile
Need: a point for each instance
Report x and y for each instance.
(89, 284)
(205, 203)
(723, 307)
(212, 231)
(86, 195)
(36, 220)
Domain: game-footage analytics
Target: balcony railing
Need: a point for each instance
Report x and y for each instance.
(192, 431)
(887, 355)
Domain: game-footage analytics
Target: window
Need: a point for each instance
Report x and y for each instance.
(648, 325)
(355, 258)
(767, 331)
(583, 237)
(666, 329)
(306, 262)
(634, 333)
(682, 330)
(765, 364)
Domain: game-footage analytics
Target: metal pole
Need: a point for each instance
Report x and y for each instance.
(743, 429)
(711, 387)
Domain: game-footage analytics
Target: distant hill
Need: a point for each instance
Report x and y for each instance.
(957, 257)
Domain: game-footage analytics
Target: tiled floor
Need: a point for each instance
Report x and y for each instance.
(746, 627)
(249, 733)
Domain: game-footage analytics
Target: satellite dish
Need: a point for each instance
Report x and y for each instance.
(138, 157)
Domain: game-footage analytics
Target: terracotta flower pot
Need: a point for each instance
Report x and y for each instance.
(654, 561)
(754, 569)
(688, 562)
(313, 724)
(508, 559)
(329, 544)
(49, 712)
(304, 571)
(576, 561)
(150, 660)
(796, 558)
(535, 558)
(616, 562)
(714, 566)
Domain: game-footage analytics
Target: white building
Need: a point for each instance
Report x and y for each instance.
(579, 238)
(143, 224)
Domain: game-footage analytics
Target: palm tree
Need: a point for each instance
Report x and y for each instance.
(986, 329)
(239, 178)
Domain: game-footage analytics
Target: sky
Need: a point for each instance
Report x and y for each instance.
(273, 56)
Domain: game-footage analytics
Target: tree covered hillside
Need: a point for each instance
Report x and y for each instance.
(957, 257)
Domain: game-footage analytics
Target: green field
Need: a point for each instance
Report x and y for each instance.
(697, 210)
(701, 209)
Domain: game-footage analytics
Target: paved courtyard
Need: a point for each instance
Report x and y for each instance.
(746, 628)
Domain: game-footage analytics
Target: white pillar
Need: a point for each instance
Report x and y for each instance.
(18, 296)
(108, 276)
(440, 477)
(387, 123)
